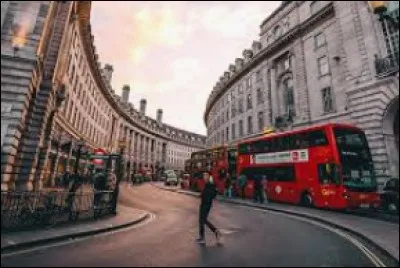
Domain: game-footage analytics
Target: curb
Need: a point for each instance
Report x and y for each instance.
(318, 219)
(302, 215)
(22, 245)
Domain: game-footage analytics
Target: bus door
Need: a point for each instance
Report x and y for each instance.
(281, 183)
(328, 194)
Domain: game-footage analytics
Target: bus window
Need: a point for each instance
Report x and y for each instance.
(356, 160)
(328, 173)
(317, 138)
(283, 174)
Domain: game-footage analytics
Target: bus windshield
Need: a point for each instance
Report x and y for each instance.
(357, 168)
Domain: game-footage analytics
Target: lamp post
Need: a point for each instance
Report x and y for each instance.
(380, 8)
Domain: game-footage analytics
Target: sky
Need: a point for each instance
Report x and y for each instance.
(173, 53)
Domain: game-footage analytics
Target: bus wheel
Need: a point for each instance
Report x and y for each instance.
(306, 200)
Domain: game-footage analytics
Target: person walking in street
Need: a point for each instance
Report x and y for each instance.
(207, 197)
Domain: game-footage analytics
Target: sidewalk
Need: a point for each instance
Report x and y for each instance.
(125, 217)
(383, 234)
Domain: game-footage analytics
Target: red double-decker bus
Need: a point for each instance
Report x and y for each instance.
(323, 166)
(199, 162)
(223, 161)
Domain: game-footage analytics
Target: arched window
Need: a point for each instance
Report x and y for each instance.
(288, 97)
(277, 31)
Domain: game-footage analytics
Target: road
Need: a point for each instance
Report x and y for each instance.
(251, 238)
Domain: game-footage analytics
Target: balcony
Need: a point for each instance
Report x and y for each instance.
(387, 66)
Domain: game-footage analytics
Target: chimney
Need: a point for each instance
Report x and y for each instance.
(239, 62)
(143, 103)
(125, 93)
(159, 116)
(107, 72)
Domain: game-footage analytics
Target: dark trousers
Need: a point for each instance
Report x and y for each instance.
(258, 194)
(203, 219)
(243, 192)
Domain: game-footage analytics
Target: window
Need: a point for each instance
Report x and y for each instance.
(227, 133)
(233, 131)
(240, 128)
(315, 6)
(319, 40)
(285, 143)
(249, 102)
(260, 120)
(323, 66)
(286, 63)
(260, 98)
(241, 106)
(248, 82)
(258, 76)
(327, 100)
(286, 173)
(277, 31)
(249, 125)
(227, 114)
(328, 173)
(240, 89)
(288, 97)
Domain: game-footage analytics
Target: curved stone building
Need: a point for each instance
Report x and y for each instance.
(57, 99)
(315, 62)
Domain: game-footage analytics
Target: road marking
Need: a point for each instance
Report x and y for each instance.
(79, 239)
(370, 255)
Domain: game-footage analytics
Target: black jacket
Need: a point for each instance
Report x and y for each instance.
(209, 193)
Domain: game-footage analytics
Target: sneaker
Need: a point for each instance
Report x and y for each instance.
(218, 237)
(200, 241)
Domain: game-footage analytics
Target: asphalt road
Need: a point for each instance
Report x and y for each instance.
(251, 238)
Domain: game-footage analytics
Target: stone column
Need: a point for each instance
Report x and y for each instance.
(274, 94)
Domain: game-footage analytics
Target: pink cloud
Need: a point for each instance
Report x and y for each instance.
(172, 53)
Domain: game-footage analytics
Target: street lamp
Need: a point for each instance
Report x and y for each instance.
(380, 8)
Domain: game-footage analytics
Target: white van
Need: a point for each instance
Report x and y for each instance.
(172, 178)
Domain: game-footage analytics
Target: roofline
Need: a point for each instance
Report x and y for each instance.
(277, 10)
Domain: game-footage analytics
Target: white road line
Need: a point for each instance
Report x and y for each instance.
(370, 255)
(76, 240)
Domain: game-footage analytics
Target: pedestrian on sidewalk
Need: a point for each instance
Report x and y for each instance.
(264, 187)
(258, 189)
(228, 185)
(207, 197)
(242, 185)
(100, 185)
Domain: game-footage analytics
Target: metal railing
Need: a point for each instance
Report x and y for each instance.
(26, 210)
(387, 66)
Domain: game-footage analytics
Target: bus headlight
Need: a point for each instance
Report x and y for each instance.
(346, 196)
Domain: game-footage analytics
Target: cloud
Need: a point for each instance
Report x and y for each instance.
(172, 53)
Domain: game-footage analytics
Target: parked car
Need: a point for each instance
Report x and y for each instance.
(390, 196)
(138, 178)
(172, 178)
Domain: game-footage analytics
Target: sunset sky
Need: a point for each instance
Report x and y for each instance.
(173, 53)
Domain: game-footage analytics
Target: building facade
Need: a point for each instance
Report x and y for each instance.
(315, 62)
(56, 97)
